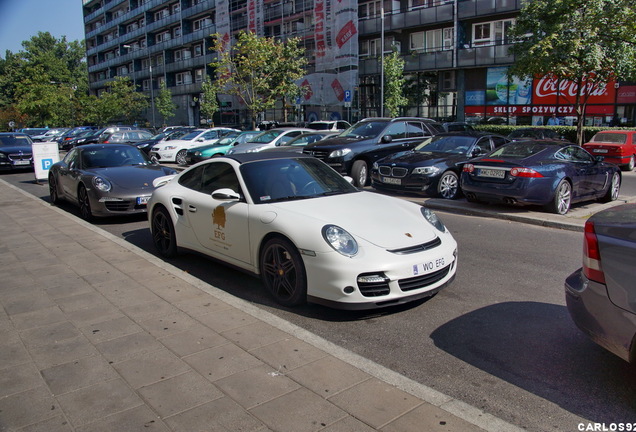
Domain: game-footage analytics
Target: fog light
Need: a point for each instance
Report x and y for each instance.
(349, 290)
(372, 279)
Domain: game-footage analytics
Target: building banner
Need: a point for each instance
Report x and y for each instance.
(327, 89)
(255, 17)
(553, 91)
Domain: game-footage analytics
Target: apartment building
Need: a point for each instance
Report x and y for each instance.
(456, 55)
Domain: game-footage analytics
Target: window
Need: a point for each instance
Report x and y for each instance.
(162, 37)
(372, 47)
(210, 177)
(201, 23)
(145, 85)
(163, 13)
(198, 75)
(176, 32)
(175, 8)
(419, 3)
(417, 41)
(369, 9)
(492, 33)
(183, 78)
(198, 50)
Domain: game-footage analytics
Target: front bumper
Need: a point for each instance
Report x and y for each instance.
(593, 313)
(118, 204)
(379, 278)
(164, 155)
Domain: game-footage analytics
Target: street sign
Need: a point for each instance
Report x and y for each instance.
(45, 154)
(347, 96)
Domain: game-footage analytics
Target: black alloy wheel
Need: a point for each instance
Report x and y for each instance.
(84, 203)
(55, 197)
(163, 235)
(283, 272)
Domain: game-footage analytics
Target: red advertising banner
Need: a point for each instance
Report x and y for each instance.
(537, 110)
(552, 91)
(626, 95)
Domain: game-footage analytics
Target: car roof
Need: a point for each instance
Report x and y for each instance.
(472, 134)
(88, 147)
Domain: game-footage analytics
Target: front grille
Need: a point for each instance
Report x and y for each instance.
(118, 206)
(320, 154)
(424, 280)
(418, 248)
(393, 171)
(20, 156)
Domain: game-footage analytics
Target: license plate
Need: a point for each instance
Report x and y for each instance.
(390, 180)
(494, 173)
(142, 200)
(21, 162)
(600, 150)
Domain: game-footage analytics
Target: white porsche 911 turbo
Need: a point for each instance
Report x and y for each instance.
(308, 233)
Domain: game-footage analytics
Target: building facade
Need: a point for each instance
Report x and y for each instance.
(455, 51)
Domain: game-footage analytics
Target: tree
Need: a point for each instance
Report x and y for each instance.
(586, 42)
(208, 103)
(258, 70)
(164, 103)
(394, 83)
(120, 102)
(43, 82)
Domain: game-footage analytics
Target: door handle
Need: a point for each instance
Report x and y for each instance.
(192, 209)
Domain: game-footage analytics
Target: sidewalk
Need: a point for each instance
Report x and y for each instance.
(99, 335)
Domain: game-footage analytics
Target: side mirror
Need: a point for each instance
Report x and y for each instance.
(599, 158)
(225, 194)
(387, 139)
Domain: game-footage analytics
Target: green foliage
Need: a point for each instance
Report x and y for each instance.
(119, 103)
(208, 103)
(41, 85)
(258, 70)
(589, 42)
(394, 83)
(164, 103)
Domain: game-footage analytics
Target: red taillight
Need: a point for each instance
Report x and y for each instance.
(592, 255)
(105, 142)
(468, 168)
(524, 172)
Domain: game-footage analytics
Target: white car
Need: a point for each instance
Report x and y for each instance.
(269, 139)
(175, 150)
(308, 233)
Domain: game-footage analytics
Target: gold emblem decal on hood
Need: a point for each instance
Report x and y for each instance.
(409, 235)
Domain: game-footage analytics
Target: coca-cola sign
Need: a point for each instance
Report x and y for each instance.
(551, 90)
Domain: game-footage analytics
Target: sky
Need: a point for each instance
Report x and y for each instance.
(22, 19)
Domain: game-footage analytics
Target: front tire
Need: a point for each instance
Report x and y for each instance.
(360, 173)
(613, 189)
(448, 185)
(84, 204)
(283, 272)
(163, 234)
(562, 198)
(53, 193)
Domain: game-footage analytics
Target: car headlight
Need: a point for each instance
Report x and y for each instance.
(197, 153)
(3, 156)
(426, 170)
(340, 240)
(340, 153)
(101, 184)
(432, 218)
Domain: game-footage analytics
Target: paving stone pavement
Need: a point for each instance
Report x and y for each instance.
(98, 335)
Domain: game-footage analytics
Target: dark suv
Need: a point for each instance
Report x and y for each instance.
(354, 151)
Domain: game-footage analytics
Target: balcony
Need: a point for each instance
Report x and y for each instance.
(205, 6)
(475, 8)
(409, 19)
(484, 56)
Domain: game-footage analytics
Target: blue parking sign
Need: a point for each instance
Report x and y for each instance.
(46, 164)
(347, 96)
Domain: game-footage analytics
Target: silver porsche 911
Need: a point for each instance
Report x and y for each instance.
(105, 179)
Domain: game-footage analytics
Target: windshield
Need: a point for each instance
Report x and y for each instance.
(319, 126)
(113, 157)
(369, 129)
(265, 137)
(291, 179)
(446, 144)
(189, 136)
(15, 140)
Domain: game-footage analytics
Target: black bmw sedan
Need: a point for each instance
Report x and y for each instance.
(434, 166)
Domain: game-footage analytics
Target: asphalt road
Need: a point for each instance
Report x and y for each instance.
(499, 338)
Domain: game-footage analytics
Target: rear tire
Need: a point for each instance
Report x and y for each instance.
(613, 189)
(180, 158)
(630, 165)
(562, 198)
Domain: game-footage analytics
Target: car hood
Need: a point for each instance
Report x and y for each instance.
(337, 141)
(133, 176)
(421, 158)
(16, 149)
(391, 223)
